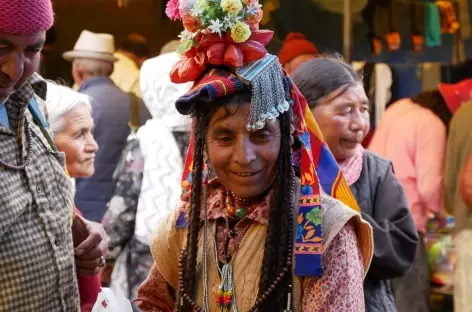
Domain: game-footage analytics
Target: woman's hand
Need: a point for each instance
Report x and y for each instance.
(91, 244)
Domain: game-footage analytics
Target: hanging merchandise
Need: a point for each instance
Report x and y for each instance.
(381, 18)
(269, 7)
(449, 23)
(430, 75)
(432, 25)
(417, 26)
(464, 19)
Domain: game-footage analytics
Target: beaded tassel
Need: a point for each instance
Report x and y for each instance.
(225, 298)
(289, 300)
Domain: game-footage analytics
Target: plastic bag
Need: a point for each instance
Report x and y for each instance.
(107, 301)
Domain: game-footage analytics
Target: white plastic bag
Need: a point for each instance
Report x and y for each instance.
(107, 301)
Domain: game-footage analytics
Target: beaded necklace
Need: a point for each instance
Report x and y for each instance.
(226, 296)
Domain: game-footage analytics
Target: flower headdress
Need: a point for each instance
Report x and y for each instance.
(223, 51)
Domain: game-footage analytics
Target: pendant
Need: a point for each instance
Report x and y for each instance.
(224, 298)
(241, 212)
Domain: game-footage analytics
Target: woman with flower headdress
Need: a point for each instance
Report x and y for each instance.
(266, 220)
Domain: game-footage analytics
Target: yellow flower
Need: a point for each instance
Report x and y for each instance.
(232, 7)
(203, 4)
(240, 32)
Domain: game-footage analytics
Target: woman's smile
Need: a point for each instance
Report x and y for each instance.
(246, 174)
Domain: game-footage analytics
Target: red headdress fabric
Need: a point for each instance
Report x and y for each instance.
(25, 16)
(295, 45)
(456, 94)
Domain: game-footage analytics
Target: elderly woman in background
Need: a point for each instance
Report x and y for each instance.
(71, 124)
(338, 101)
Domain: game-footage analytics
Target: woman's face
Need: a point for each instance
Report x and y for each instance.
(243, 161)
(77, 142)
(343, 117)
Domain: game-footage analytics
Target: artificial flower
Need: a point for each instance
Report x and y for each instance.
(191, 23)
(232, 7)
(253, 8)
(229, 21)
(240, 32)
(190, 66)
(255, 17)
(185, 6)
(216, 26)
(186, 35)
(197, 10)
(250, 2)
(172, 10)
(203, 4)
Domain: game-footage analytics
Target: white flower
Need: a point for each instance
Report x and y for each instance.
(186, 35)
(229, 22)
(197, 10)
(216, 26)
(252, 8)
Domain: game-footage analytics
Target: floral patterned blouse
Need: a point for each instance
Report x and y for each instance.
(340, 289)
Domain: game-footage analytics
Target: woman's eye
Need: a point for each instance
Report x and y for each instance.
(346, 111)
(33, 50)
(223, 138)
(262, 136)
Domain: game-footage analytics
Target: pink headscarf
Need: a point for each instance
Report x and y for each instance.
(25, 17)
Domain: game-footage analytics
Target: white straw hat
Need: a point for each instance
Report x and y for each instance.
(93, 46)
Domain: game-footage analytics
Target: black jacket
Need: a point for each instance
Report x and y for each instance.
(384, 205)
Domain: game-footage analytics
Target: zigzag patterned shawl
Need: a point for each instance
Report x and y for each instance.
(310, 152)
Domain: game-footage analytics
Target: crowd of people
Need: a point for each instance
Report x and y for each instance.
(222, 178)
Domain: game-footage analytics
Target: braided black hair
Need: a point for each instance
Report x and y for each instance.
(280, 216)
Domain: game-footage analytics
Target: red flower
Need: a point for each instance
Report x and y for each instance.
(192, 23)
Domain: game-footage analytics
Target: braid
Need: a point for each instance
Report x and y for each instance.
(194, 214)
(281, 218)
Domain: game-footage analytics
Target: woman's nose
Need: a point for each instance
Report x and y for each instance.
(92, 145)
(244, 152)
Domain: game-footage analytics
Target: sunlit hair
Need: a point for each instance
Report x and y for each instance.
(59, 101)
(92, 67)
(323, 75)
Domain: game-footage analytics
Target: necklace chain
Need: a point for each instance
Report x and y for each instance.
(23, 163)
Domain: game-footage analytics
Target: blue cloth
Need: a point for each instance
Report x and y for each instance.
(111, 113)
(432, 25)
(4, 116)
